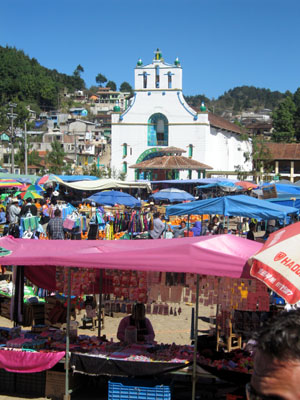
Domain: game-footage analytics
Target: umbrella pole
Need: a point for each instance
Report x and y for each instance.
(67, 395)
(194, 376)
(100, 301)
(188, 223)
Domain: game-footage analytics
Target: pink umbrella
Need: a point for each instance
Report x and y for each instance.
(277, 264)
(43, 180)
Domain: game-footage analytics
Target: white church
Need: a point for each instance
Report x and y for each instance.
(159, 118)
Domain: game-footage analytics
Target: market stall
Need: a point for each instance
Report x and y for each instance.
(239, 205)
(222, 255)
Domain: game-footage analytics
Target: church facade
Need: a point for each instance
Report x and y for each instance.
(158, 117)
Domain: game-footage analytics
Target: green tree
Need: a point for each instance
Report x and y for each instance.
(111, 85)
(296, 99)
(283, 121)
(101, 79)
(260, 156)
(78, 71)
(23, 79)
(126, 87)
(55, 158)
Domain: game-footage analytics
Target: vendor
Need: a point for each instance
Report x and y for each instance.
(158, 227)
(179, 231)
(145, 332)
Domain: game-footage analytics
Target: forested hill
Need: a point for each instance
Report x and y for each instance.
(23, 79)
(239, 99)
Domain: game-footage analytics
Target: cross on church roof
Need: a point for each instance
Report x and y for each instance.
(157, 55)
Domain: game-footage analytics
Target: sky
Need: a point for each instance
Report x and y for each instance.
(221, 44)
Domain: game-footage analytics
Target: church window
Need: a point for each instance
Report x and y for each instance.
(145, 80)
(169, 80)
(157, 76)
(124, 150)
(190, 174)
(125, 167)
(158, 130)
(191, 150)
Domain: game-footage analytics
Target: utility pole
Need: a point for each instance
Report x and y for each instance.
(25, 148)
(12, 135)
(75, 150)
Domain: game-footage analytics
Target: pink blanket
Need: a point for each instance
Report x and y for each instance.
(22, 361)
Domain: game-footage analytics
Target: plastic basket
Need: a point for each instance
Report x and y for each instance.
(136, 390)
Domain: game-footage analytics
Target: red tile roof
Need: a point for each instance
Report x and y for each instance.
(219, 122)
(171, 162)
(284, 151)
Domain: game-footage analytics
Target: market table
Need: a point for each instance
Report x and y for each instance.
(95, 365)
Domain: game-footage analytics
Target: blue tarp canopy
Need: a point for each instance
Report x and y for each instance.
(224, 185)
(290, 201)
(240, 205)
(286, 188)
(75, 178)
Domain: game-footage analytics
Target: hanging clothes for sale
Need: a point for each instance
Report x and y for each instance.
(82, 280)
(29, 223)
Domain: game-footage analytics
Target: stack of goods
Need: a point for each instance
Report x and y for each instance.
(52, 340)
(229, 366)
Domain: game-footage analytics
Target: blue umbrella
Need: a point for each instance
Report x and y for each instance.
(112, 197)
(173, 194)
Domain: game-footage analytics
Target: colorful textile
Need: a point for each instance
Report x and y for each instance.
(69, 223)
(28, 362)
(31, 223)
(82, 280)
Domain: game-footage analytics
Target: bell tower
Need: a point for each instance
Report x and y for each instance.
(159, 75)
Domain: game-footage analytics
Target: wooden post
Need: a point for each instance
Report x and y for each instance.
(67, 362)
(100, 301)
(194, 376)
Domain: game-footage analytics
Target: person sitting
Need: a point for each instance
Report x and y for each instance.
(245, 227)
(179, 231)
(215, 225)
(145, 332)
(197, 228)
(250, 234)
(2, 215)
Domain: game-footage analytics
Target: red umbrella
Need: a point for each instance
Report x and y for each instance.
(246, 185)
(24, 187)
(277, 264)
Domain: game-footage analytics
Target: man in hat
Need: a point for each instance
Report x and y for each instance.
(13, 218)
(14, 211)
